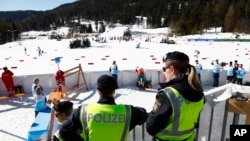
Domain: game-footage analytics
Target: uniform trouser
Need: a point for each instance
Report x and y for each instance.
(216, 79)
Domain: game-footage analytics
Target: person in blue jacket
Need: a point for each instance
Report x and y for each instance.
(40, 101)
(216, 72)
(198, 67)
(113, 69)
(240, 74)
(230, 73)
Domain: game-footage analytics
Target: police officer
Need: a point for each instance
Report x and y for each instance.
(178, 105)
(104, 120)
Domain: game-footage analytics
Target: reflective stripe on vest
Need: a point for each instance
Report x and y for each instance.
(83, 119)
(57, 135)
(114, 119)
(175, 130)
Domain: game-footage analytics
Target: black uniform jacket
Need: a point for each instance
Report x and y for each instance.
(72, 125)
(162, 110)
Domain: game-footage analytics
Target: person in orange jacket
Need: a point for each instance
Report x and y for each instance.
(7, 77)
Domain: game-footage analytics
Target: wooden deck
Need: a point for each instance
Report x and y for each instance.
(15, 95)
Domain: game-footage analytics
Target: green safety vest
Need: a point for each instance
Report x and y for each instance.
(182, 122)
(103, 122)
(57, 135)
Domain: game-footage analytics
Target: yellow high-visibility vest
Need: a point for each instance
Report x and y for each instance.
(182, 122)
(105, 122)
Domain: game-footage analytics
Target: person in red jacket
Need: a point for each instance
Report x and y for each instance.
(60, 80)
(7, 77)
(60, 84)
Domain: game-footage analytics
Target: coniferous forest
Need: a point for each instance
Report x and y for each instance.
(183, 16)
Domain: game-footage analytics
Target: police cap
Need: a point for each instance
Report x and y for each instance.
(106, 82)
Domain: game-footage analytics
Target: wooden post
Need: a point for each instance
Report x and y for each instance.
(51, 124)
(83, 77)
(80, 73)
(57, 96)
(64, 92)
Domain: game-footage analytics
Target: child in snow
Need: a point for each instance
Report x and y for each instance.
(40, 101)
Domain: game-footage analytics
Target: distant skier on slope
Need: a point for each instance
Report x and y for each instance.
(197, 52)
(138, 45)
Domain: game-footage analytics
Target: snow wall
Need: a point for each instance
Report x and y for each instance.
(125, 78)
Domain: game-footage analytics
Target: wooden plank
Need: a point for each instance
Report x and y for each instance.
(247, 120)
(66, 92)
(68, 74)
(7, 97)
(55, 95)
(240, 107)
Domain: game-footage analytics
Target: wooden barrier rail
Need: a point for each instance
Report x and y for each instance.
(19, 92)
(80, 75)
(15, 95)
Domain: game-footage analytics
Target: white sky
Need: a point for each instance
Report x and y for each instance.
(12, 54)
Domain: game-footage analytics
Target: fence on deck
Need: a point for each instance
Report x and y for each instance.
(214, 123)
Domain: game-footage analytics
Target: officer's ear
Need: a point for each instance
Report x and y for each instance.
(99, 92)
(113, 92)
